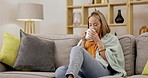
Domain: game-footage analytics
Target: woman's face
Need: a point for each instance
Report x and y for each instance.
(94, 23)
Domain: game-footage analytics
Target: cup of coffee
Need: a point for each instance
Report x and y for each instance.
(87, 34)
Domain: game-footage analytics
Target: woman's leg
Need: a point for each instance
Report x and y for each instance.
(61, 71)
(92, 68)
(81, 59)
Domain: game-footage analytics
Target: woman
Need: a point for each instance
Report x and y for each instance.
(100, 56)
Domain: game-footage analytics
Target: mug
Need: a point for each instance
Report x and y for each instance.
(87, 34)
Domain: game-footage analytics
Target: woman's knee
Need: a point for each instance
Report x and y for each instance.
(77, 49)
(60, 72)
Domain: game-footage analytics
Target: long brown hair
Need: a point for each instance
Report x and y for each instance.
(104, 29)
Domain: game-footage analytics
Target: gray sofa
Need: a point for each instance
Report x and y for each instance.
(135, 52)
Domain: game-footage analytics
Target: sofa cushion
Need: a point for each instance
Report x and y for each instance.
(63, 45)
(138, 76)
(110, 77)
(142, 52)
(2, 67)
(20, 74)
(128, 43)
(9, 49)
(35, 54)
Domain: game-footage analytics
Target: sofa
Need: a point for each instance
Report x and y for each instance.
(135, 52)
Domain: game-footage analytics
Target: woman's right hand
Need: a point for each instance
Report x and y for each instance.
(83, 34)
(83, 39)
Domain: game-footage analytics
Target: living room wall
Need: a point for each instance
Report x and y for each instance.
(55, 16)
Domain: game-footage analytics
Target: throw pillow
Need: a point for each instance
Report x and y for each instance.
(145, 70)
(35, 54)
(9, 49)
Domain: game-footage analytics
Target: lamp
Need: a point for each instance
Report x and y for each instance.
(30, 12)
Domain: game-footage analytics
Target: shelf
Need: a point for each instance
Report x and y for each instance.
(128, 4)
(98, 5)
(139, 2)
(82, 26)
(113, 25)
(85, 26)
(74, 7)
(95, 5)
(118, 4)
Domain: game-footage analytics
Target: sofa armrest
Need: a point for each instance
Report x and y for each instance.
(2, 67)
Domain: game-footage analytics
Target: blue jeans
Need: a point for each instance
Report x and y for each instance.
(82, 65)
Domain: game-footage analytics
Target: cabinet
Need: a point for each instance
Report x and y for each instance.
(110, 19)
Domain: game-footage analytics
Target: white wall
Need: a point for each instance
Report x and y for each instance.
(55, 16)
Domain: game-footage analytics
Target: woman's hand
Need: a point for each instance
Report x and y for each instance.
(83, 39)
(83, 34)
(94, 36)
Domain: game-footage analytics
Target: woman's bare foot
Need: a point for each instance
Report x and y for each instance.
(70, 76)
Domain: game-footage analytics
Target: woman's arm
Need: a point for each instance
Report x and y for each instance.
(83, 43)
(102, 49)
(95, 37)
(99, 43)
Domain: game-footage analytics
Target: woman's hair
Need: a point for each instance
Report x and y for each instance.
(104, 29)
